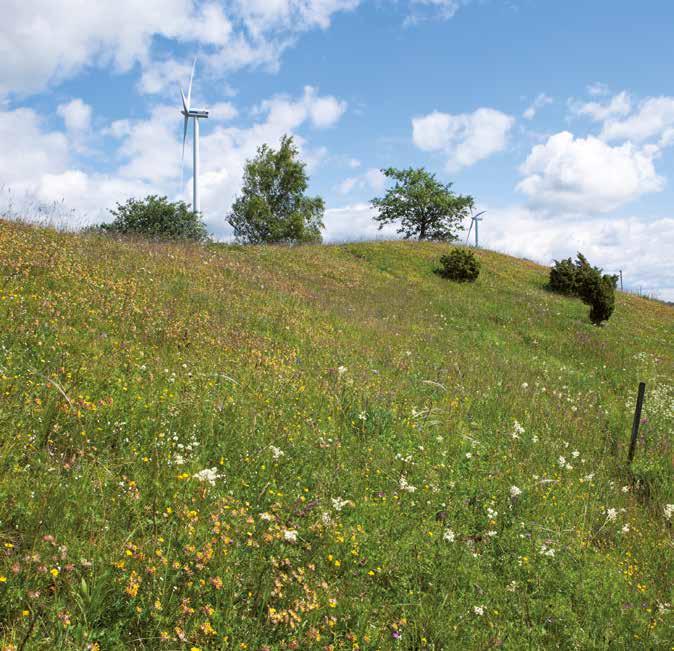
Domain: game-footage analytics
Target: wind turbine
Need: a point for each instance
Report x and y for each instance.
(196, 115)
(474, 219)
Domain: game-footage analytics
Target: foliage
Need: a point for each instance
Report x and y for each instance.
(425, 208)
(581, 279)
(158, 218)
(460, 265)
(273, 207)
(219, 447)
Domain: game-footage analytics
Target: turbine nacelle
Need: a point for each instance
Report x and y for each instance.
(195, 113)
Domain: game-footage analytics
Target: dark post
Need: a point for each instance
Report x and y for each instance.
(621, 280)
(637, 420)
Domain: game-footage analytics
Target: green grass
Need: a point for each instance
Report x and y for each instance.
(363, 419)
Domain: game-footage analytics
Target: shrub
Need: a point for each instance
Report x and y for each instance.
(460, 265)
(156, 217)
(581, 279)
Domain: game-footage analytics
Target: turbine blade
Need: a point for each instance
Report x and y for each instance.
(189, 90)
(185, 107)
(182, 160)
(469, 230)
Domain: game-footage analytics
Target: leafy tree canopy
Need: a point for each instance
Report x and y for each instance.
(272, 207)
(156, 217)
(424, 207)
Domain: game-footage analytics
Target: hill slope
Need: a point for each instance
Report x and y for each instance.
(324, 447)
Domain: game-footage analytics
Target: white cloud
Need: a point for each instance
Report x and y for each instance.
(421, 10)
(619, 105)
(76, 115)
(43, 42)
(355, 222)
(541, 100)
(654, 116)
(640, 247)
(466, 138)
(373, 179)
(586, 174)
(322, 112)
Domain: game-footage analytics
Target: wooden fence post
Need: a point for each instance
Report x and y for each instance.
(636, 422)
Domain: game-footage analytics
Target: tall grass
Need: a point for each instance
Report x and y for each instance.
(324, 447)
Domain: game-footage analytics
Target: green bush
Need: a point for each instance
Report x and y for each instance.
(156, 217)
(581, 279)
(460, 265)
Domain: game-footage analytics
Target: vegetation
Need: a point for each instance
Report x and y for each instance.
(224, 447)
(581, 279)
(273, 207)
(460, 265)
(158, 218)
(425, 208)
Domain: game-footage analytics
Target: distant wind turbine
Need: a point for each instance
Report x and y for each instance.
(188, 112)
(474, 219)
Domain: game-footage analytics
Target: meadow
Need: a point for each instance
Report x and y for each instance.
(324, 447)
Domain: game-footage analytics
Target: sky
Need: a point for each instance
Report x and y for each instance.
(556, 116)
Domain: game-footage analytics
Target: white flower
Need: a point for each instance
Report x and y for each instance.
(515, 492)
(405, 486)
(326, 519)
(478, 610)
(491, 533)
(626, 528)
(525, 385)
(290, 535)
(208, 474)
(546, 551)
(277, 453)
(561, 461)
(512, 586)
(625, 489)
(267, 517)
(341, 370)
(469, 455)
(534, 439)
(611, 514)
(517, 430)
(589, 477)
(448, 536)
(178, 459)
(575, 454)
(491, 513)
(338, 503)
(668, 511)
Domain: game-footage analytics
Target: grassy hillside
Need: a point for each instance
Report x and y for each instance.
(324, 448)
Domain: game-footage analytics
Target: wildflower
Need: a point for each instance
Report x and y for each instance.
(517, 430)
(575, 454)
(54, 572)
(668, 511)
(341, 370)
(405, 486)
(612, 514)
(492, 513)
(478, 610)
(290, 535)
(266, 517)
(469, 455)
(515, 492)
(338, 503)
(534, 439)
(208, 474)
(448, 536)
(561, 461)
(3, 579)
(626, 528)
(589, 477)
(525, 385)
(512, 586)
(546, 551)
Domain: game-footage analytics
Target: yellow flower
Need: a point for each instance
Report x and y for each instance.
(3, 579)
(54, 572)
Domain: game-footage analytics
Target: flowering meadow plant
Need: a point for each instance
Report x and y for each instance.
(325, 447)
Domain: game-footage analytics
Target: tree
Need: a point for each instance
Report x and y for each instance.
(424, 207)
(156, 217)
(272, 207)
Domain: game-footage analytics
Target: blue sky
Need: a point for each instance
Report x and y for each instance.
(558, 117)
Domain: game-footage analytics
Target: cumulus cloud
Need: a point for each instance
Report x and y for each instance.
(421, 10)
(618, 105)
(654, 117)
(466, 138)
(373, 180)
(43, 42)
(355, 222)
(586, 174)
(76, 115)
(541, 100)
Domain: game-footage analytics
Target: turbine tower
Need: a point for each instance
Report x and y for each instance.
(196, 115)
(474, 219)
